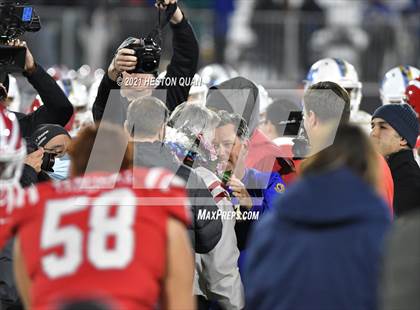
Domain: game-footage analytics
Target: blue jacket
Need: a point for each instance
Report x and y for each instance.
(320, 248)
(263, 187)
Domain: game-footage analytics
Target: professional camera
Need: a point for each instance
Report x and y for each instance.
(48, 160)
(148, 54)
(15, 19)
(148, 50)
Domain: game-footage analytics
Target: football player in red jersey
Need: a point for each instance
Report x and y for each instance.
(12, 156)
(412, 97)
(98, 237)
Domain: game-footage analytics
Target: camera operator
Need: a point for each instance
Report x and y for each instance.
(183, 65)
(57, 109)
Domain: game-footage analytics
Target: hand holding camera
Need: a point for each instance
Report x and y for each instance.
(135, 56)
(15, 20)
(29, 59)
(34, 159)
(124, 60)
(143, 55)
(38, 158)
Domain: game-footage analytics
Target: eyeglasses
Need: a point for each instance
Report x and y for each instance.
(59, 150)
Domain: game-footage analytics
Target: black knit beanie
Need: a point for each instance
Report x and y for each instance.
(402, 118)
(44, 133)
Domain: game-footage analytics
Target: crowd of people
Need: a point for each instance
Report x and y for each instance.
(201, 191)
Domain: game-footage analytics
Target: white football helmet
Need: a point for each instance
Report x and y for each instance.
(14, 95)
(93, 90)
(12, 149)
(395, 82)
(338, 71)
(362, 119)
(264, 99)
(198, 90)
(215, 74)
(76, 92)
(78, 95)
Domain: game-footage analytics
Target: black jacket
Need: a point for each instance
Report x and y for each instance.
(205, 234)
(401, 269)
(57, 109)
(9, 298)
(183, 64)
(30, 177)
(406, 175)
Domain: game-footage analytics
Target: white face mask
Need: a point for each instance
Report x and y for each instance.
(61, 168)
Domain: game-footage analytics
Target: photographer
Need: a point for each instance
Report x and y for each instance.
(183, 65)
(57, 109)
(48, 143)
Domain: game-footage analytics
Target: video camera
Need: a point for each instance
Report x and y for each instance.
(15, 19)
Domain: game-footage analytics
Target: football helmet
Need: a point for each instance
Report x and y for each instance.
(395, 82)
(75, 91)
(35, 105)
(216, 74)
(94, 87)
(412, 95)
(78, 95)
(198, 90)
(14, 95)
(264, 99)
(338, 71)
(12, 149)
(362, 119)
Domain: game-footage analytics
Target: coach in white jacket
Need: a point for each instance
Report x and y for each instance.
(217, 275)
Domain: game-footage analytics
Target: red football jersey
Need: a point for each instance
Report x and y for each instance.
(386, 185)
(106, 243)
(263, 154)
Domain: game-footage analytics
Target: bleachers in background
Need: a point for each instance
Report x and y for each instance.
(287, 42)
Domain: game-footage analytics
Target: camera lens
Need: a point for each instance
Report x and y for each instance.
(48, 162)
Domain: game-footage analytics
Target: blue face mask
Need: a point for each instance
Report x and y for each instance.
(61, 168)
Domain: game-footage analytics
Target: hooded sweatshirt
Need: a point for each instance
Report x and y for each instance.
(321, 247)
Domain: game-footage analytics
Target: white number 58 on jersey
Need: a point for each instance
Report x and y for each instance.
(100, 227)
